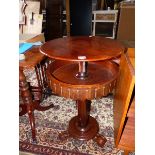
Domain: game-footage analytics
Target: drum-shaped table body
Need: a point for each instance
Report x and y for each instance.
(79, 72)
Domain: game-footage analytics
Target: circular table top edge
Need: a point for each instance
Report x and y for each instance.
(70, 48)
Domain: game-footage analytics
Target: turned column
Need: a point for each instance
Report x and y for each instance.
(83, 113)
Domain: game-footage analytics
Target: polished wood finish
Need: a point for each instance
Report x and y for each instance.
(29, 105)
(32, 96)
(53, 19)
(93, 48)
(127, 12)
(28, 102)
(100, 79)
(127, 141)
(100, 82)
(122, 100)
(34, 59)
(83, 123)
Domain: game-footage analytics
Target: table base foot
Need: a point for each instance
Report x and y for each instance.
(87, 133)
(38, 107)
(100, 140)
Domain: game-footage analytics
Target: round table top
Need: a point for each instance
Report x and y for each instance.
(82, 48)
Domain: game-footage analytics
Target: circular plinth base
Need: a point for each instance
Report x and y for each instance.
(83, 134)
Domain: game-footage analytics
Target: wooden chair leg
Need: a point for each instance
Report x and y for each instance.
(38, 107)
(32, 122)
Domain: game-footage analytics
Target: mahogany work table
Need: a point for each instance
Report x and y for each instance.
(82, 71)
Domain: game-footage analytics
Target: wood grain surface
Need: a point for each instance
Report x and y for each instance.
(124, 90)
(93, 48)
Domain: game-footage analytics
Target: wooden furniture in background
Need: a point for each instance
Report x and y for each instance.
(34, 59)
(77, 17)
(28, 105)
(124, 103)
(80, 17)
(27, 100)
(104, 23)
(127, 141)
(53, 19)
(31, 96)
(126, 23)
(82, 71)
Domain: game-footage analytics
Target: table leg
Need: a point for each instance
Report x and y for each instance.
(29, 105)
(83, 113)
(83, 126)
(38, 107)
(27, 99)
(30, 111)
